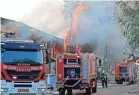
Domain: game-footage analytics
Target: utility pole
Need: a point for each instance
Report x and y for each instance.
(106, 62)
(105, 56)
(71, 31)
(105, 49)
(106, 59)
(104, 20)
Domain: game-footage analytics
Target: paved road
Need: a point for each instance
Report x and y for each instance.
(114, 89)
(120, 90)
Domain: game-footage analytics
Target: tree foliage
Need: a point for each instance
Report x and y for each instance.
(128, 18)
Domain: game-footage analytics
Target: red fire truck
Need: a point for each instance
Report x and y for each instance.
(126, 71)
(23, 67)
(76, 71)
(121, 72)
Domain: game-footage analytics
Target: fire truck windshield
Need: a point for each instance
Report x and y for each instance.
(22, 56)
(123, 69)
(72, 61)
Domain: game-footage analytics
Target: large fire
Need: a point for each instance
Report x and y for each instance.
(77, 12)
(71, 32)
(75, 17)
(68, 37)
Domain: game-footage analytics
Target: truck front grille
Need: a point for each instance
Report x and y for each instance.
(23, 85)
(24, 75)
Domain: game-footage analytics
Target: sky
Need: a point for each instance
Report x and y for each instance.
(45, 15)
(48, 16)
(16, 9)
(34, 12)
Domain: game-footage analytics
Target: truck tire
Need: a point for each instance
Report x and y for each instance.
(88, 91)
(119, 82)
(94, 87)
(62, 91)
(69, 91)
(94, 90)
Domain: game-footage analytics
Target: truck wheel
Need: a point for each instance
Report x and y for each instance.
(117, 82)
(121, 81)
(88, 91)
(62, 91)
(94, 86)
(94, 90)
(69, 91)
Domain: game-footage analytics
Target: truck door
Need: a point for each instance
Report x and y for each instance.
(92, 62)
(60, 68)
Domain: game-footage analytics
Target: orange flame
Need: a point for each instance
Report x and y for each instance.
(77, 12)
(68, 37)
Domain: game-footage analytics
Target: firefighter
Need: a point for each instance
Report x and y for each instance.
(104, 80)
(72, 73)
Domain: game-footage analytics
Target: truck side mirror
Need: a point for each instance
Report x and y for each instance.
(48, 56)
(2, 51)
(99, 62)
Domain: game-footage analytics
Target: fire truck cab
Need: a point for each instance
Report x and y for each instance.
(76, 71)
(121, 72)
(23, 67)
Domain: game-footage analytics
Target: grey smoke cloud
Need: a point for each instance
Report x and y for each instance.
(48, 17)
(100, 28)
(93, 25)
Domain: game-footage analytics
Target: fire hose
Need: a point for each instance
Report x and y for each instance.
(68, 85)
(63, 82)
(74, 84)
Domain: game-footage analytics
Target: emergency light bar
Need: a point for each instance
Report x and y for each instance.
(16, 41)
(19, 41)
(25, 46)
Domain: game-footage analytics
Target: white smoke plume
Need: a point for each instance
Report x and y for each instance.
(93, 25)
(48, 17)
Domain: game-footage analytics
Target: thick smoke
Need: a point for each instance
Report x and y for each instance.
(96, 26)
(48, 16)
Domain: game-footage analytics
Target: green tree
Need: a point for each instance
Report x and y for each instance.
(128, 18)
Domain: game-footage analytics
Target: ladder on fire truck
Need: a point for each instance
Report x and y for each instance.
(13, 40)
